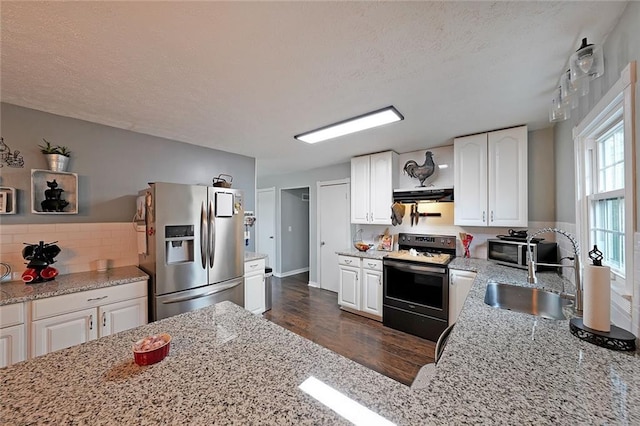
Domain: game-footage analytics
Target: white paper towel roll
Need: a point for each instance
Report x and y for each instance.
(597, 297)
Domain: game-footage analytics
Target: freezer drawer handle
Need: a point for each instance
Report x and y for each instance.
(209, 293)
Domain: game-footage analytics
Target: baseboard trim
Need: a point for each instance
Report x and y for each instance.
(314, 284)
(294, 272)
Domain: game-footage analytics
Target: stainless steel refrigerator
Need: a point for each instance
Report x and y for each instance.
(194, 250)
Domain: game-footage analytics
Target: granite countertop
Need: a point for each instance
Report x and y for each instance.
(230, 367)
(249, 256)
(17, 291)
(225, 366)
(369, 254)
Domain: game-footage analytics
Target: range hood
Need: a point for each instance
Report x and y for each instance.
(422, 194)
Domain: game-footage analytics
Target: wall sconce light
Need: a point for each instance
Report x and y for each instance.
(585, 64)
(560, 109)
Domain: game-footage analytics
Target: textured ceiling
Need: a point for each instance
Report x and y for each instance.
(245, 77)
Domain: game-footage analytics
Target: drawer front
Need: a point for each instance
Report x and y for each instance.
(254, 267)
(349, 261)
(58, 305)
(373, 264)
(11, 315)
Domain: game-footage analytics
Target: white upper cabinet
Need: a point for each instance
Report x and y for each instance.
(490, 178)
(373, 178)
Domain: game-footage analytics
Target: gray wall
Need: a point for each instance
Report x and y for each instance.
(295, 229)
(112, 165)
(621, 47)
(301, 179)
(541, 176)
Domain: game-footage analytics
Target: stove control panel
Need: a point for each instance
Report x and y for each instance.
(416, 241)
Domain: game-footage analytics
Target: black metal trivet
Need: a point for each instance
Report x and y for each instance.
(617, 339)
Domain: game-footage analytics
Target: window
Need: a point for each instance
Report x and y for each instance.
(606, 196)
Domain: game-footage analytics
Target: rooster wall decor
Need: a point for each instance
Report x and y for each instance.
(422, 172)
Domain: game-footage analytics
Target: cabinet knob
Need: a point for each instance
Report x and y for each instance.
(322, 243)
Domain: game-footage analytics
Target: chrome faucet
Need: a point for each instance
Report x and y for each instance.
(532, 279)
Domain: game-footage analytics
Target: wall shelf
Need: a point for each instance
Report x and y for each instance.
(68, 182)
(8, 200)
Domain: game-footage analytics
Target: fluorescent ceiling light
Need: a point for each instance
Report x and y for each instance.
(351, 410)
(362, 122)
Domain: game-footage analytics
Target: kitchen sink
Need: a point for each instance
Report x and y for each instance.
(526, 300)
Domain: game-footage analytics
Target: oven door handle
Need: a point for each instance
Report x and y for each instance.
(414, 268)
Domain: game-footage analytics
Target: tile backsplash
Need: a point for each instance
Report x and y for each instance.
(82, 244)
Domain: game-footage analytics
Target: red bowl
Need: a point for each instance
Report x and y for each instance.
(148, 357)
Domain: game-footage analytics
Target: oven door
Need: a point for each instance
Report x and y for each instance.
(418, 288)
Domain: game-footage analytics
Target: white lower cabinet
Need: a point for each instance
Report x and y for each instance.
(360, 289)
(13, 342)
(460, 282)
(63, 321)
(349, 289)
(254, 286)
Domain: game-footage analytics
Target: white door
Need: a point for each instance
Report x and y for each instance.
(360, 191)
(254, 293)
(381, 188)
(349, 294)
(63, 331)
(372, 292)
(12, 345)
(121, 316)
(507, 182)
(470, 180)
(334, 230)
(266, 224)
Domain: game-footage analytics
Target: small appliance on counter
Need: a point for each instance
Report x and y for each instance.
(40, 257)
(511, 250)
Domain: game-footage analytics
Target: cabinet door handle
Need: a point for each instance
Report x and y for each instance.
(367, 216)
(91, 322)
(253, 266)
(96, 298)
(483, 215)
(104, 319)
(491, 215)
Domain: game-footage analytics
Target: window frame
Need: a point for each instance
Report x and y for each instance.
(618, 102)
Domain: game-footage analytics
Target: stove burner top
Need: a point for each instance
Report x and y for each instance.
(423, 257)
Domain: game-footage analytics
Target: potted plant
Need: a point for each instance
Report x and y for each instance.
(57, 156)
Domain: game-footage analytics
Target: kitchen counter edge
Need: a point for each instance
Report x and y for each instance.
(17, 291)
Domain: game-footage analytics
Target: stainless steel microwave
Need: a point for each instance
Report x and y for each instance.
(514, 253)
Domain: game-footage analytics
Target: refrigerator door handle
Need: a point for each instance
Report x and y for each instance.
(203, 236)
(198, 296)
(212, 234)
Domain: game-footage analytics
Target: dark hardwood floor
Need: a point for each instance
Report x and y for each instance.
(314, 314)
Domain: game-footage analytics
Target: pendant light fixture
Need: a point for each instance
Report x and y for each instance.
(587, 62)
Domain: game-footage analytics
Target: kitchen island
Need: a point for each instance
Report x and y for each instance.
(228, 366)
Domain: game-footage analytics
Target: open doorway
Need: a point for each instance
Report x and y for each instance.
(294, 231)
